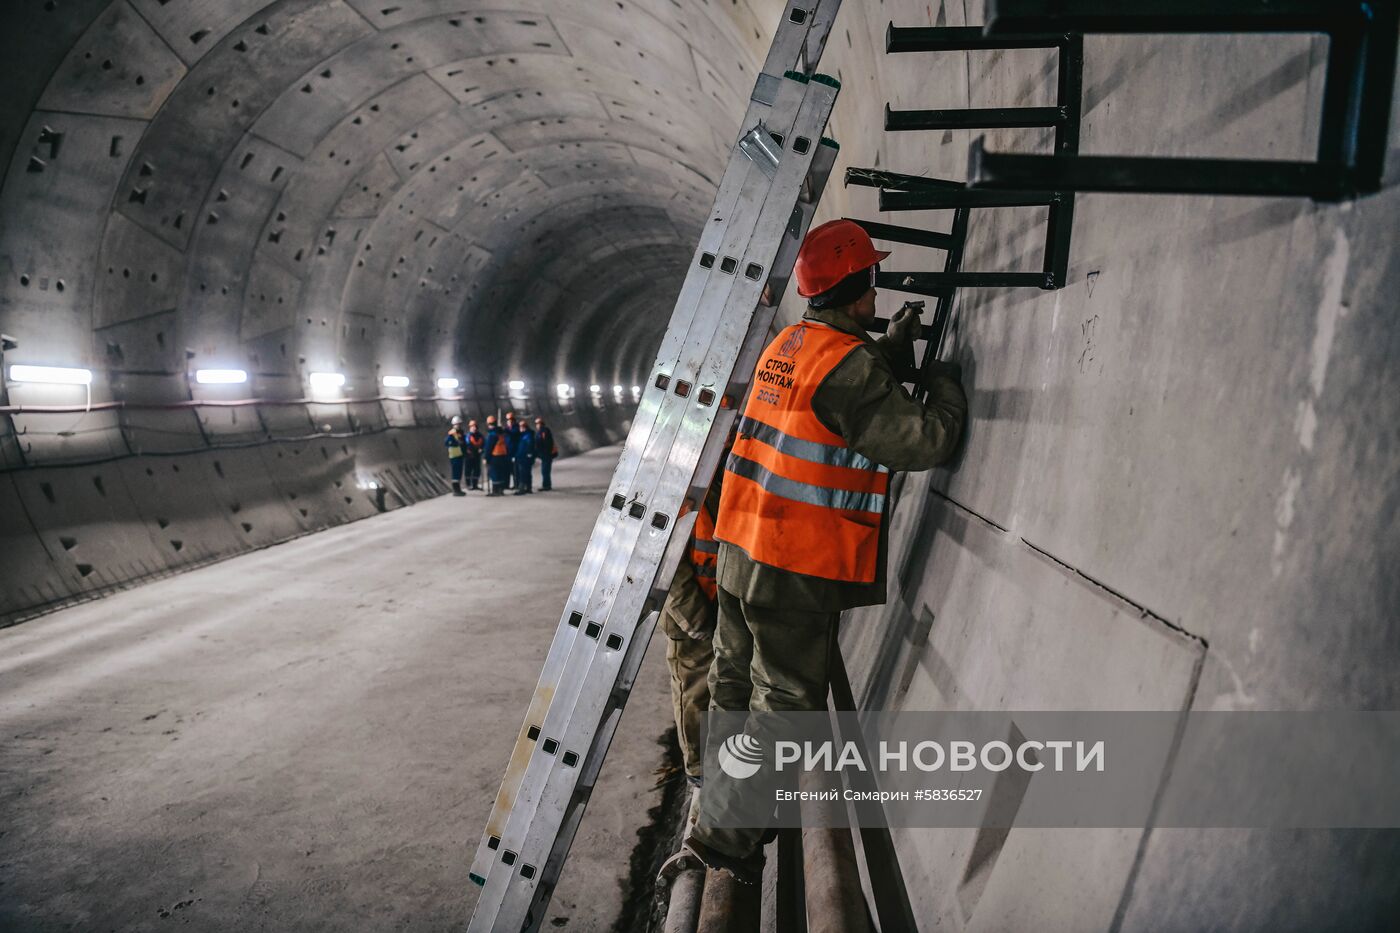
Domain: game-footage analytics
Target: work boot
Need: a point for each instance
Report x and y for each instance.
(457, 489)
(743, 870)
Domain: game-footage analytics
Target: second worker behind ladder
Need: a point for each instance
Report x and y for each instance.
(688, 619)
(802, 520)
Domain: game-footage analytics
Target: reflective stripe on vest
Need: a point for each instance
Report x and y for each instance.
(704, 552)
(795, 496)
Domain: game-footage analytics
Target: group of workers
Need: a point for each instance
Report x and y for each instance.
(794, 529)
(510, 450)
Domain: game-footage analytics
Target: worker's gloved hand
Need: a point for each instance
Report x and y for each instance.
(935, 370)
(904, 326)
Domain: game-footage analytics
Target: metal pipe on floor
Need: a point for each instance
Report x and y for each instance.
(835, 901)
(728, 906)
(683, 911)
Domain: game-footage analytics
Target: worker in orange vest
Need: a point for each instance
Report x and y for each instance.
(803, 524)
(498, 456)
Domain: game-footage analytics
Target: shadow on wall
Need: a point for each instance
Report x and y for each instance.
(78, 520)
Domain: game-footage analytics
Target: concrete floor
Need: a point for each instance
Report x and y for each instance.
(310, 736)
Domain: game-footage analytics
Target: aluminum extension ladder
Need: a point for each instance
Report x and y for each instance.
(774, 178)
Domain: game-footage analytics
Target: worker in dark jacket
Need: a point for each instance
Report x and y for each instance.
(524, 456)
(476, 445)
(513, 430)
(546, 450)
(498, 456)
(456, 444)
(803, 523)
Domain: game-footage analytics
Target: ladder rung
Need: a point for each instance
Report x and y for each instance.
(993, 171)
(900, 282)
(981, 118)
(960, 39)
(882, 325)
(876, 178)
(910, 235)
(1115, 16)
(963, 197)
(935, 283)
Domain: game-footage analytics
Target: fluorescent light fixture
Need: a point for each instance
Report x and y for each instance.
(447, 382)
(220, 377)
(395, 382)
(595, 389)
(517, 385)
(326, 380)
(53, 375)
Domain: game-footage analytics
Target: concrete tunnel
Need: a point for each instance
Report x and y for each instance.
(1179, 488)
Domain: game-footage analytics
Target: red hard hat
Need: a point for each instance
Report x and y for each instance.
(830, 253)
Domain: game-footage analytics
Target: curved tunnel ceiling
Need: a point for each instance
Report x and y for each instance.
(488, 190)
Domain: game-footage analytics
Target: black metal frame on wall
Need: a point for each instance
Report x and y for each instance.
(1352, 138)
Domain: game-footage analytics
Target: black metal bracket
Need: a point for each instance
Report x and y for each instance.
(900, 192)
(920, 193)
(1361, 56)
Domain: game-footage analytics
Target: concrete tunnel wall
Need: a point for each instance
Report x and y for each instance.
(1178, 488)
(1179, 484)
(435, 189)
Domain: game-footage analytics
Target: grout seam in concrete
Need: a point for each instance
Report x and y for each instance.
(1076, 572)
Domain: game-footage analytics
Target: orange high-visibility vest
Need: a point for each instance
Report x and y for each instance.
(704, 552)
(795, 496)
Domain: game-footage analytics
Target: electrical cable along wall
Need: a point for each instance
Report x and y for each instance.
(379, 215)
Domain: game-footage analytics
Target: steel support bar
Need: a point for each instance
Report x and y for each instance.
(958, 39)
(978, 118)
(908, 235)
(1011, 172)
(1069, 91)
(1356, 96)
(895, 281)
(964, 197)
(875, 178)
(882, 324)
(928, 283)
(1114, 16)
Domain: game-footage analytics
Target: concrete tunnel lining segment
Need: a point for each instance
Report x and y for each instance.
(487, 192)
(1201, 420)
